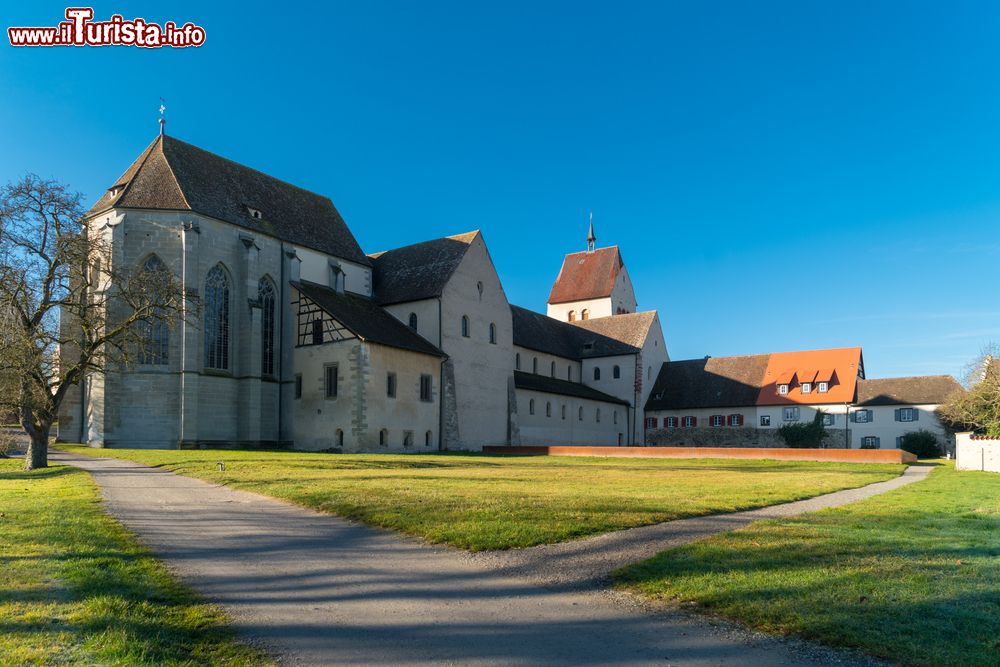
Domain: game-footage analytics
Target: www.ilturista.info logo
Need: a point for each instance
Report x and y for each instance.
(81, 30)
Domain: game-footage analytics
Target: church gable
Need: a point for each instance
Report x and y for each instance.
(587, 275)
(174, 175)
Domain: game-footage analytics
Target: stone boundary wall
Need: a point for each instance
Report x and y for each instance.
(781, 454)
(977, 452)
(725, 436)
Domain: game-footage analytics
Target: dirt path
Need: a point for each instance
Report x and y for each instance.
(318, 590)
(589, 563)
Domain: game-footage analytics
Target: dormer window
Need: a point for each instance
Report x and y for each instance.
(823, 387)
(783, 389)
(255, 213)
(116, 190)
(807, 387)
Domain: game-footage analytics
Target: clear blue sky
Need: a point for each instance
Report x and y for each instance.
(778, 175)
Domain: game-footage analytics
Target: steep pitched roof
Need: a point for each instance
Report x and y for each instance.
(174, 175)
(545, 334)
(843, 365)
(551, 385)
(587, 275)
(713, 382)
(365, 319)
(418, 271)
(629, 328)
(919, 390)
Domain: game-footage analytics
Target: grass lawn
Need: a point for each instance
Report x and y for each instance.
(912, 575)
(484, 502)
(76, 588)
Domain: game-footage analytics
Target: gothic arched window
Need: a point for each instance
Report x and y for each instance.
(413, 321)
(154, 335)
(493, 333)
(266, 293)
(616, 372)
(465, 326)
(597, 373)
(217, 319)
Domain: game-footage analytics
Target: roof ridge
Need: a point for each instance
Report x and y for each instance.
(454, 237)
(244, 166)
(173, 174)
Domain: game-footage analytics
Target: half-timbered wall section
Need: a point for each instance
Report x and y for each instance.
(314, 326)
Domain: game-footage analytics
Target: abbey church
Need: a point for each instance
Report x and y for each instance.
(297, 337)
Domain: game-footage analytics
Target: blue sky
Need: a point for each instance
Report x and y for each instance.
(778, 175)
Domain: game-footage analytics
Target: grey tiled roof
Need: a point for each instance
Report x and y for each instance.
(550, 385)
(174, 175)
(365, 319)
(546, 334)
(418, 271)
(715, 382)
(630, 328)
(919, 390)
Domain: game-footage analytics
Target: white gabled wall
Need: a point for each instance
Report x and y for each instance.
(481, 370)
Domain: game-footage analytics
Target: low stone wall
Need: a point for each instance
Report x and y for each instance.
(725, 436)
(974, 452)
(781, 454)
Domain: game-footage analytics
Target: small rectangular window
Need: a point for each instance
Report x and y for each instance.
(828, 419)
(298, 385)
(790, 414)
(862, 417)
(330, 380)
(869, 442)
(671, 422)
(390, 385)
(765, 420)
(782, 389)
(425, 388)
(807, 387)
(716, 420)
(906, 415)
(824, 387)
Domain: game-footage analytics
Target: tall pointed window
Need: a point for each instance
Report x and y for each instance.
(413, 321)
(465, 326)
(217, 319)
(266, 292)
(154, 336)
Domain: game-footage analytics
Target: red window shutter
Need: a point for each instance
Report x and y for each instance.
(739, 420)
(694, 421)
(654, 422)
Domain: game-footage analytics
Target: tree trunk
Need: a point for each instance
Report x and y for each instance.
(38, 450)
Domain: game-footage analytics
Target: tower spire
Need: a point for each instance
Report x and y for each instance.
(591, 237)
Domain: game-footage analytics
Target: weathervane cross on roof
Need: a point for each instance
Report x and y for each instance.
(163, 119)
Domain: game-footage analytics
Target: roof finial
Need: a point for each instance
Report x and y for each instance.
(163, 119)
(591, 237)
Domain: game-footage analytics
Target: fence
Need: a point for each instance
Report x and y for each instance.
(977, 452)
(783, 454)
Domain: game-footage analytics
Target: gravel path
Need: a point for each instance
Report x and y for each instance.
(589, 563)
(318, 590)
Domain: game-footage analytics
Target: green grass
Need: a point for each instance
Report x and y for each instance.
(76, 588)
(482, 502)
(912, 575)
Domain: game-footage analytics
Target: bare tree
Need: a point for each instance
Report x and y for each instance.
(978, 407)
(67, 309)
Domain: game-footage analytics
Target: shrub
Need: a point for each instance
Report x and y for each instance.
(924, 444)
(804, 436)
(7, 443)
